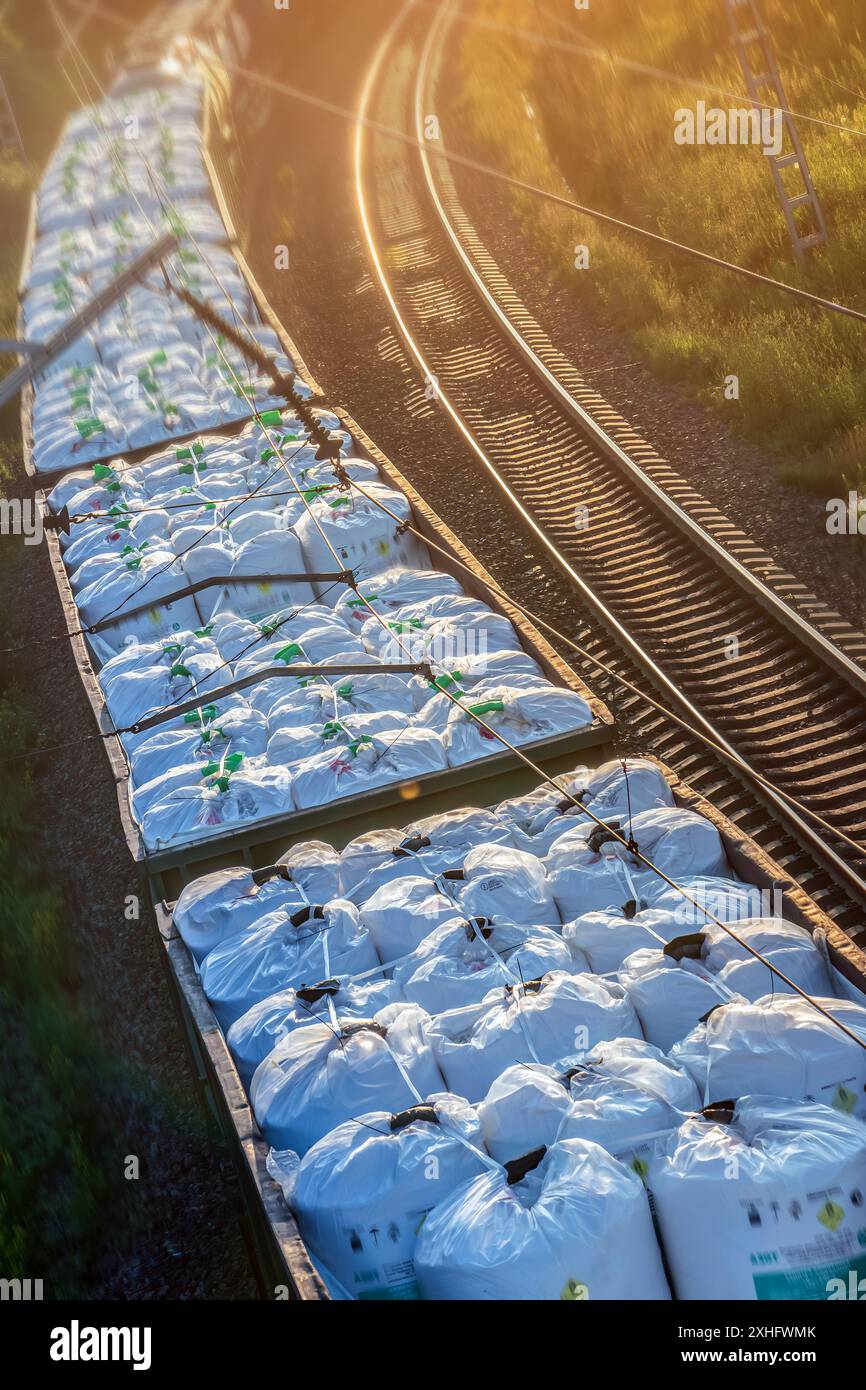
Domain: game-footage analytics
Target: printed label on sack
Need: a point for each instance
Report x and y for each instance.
(379, 1256)
(831, 1282)
(804, 1242)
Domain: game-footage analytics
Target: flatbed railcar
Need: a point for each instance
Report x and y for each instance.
(283, 1265)
(493, 777)
(281, 1260)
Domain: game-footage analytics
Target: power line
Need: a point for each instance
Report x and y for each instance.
(559, 199)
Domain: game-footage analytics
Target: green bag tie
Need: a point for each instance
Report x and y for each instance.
(486, 707)
(288, 654)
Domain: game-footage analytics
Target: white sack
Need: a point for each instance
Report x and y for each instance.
(577, 1227)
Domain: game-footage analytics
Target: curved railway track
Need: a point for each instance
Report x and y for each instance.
(664, 580)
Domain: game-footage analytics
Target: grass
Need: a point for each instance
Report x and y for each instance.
(60, 1201)
(609, 139)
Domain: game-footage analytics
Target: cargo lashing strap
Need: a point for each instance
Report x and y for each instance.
(217, 581)
(297, 671)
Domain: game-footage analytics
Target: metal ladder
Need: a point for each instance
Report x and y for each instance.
(764, 85)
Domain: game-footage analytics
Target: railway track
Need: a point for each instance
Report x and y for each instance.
(673, 593)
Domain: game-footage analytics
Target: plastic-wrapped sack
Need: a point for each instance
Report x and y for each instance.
(728, 899)
(362, 1192)
(361, 533)
(391, 589)
(290, 745)
(430, 845)
(356, 695)
(607, 939)
(124, 589)
(779, 1046)
(542, 815)
(575, 1227)
(673, 989)
(319, 1076)
(139, 691)
(461, 962)
(227, 799)
(539, 1021)
(400, 915)
(230, 901)
(519, 715)
(589, 869)
(359, 765)
(790, 1227)
(238, 730)
(505, 885)
(620, 1096)
(670, 994)
(287, 949)
(254, 1035)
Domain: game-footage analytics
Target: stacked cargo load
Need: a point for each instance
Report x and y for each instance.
(426, 995)
(481, 1055)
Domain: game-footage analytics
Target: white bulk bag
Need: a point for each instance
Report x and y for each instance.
(729, 899)
(254, 1035)
(430, 845)
(238, 730)
(363, 1191)
(779, 1046)
(547, 1019)
(287, 949)
(607, 938)
(524, 1108)
(359, 766)
(506, 885)
(290, 745)
(790, 1227)
(361, 533)
(316, 1077)
(393, 588)
(628, 1116)
(463, 960)
(607, 792)
(274, 551)
(148, 580)
(399, 915)
(769, 935)
(229, 901)
(139, 690)
(670, 996)
(193, 813)
(520, 715)
(620, 1096)
(587, 866)
(576, 1227)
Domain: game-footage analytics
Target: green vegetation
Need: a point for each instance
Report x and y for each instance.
(560, 119)
(58, 1140)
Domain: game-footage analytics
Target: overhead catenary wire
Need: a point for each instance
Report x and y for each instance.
(548, 195)
(599, 52)
(594, 49)
(628, 844)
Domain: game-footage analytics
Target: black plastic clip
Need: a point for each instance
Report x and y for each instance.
(57, 521)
